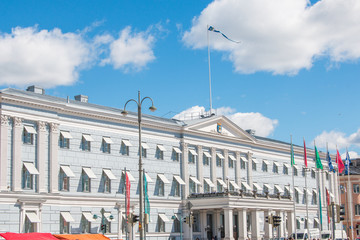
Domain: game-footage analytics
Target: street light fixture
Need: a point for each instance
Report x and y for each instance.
(139, 103)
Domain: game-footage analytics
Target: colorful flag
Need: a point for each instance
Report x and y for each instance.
(305, 157)
(317, 160)
(328, 158)
(339, 162)
(127, 184)
(212, 29)
(292, 155)
(147, 202)
(347, 163)
(328, 203)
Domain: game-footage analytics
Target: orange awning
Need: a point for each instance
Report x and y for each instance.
(28, 236)
(81, 236)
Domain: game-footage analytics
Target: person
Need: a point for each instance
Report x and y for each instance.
(215, 237)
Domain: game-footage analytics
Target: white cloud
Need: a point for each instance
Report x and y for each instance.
(131, 51)
(262, 125)
(339, 140)
(279, 36)
(46, 58)
(352, 155)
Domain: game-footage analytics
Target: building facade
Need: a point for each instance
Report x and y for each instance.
(63, 164)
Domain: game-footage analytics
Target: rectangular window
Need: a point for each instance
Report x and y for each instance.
(31, 221)
(161, 222)
(64, 140)
(28, 135)
(231, 163)
(242, 164)
(219, 187)
(177, 224)
(86, 142)
(28, 172)
(253, 165)
(107, 177)
(192, 156)
(192, 187)
(219, 159)
(314, 198)
(295, 171)
(85, 225)
(144, 148)
(206, 188)
(275, 168)
(106, 144)
(161, 189)
(313, 173)
(356, 188)
(65, 219)
(296, 196)
(176, 154)
(285, 170)
(264, 167)
(86, 176)
(176, 189)
(206, 161)
(357, 209)
(125, 147)
(160, 152)
(64, 178)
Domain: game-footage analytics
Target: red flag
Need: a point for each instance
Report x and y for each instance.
(127, 195)
(339, 162)
(328, 203)
(305, 157)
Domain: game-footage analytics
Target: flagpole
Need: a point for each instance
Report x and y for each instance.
(318, 187)
(339, 198)
(208, 43)
(306, 190)
(350, 197)
(293, 182)
(328, 201)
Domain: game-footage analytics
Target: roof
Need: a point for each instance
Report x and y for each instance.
(28, 236)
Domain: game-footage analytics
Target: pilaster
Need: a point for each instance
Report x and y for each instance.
(213, 166)
(242, 224)
(185, 169)
(249, 169)
(41, 156)
(16, 153)
(226, 165)
(199, 168)
(228, 225)
(255, 226)
(238, 169)
(3, 153)
(203, 224)
(53, 162)
(290, 222)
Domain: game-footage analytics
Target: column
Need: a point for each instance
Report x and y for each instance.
(290, 222)
(336, 188)
(41, 156)
(281, 231)
(238, 169)
(217, 224)
(120, 219)
(203, 224)
(228, 224)
(184, 169)
(255, 228)
(213, 166)
(16, 152)
(242, 224)
(199, 168)
(53, 162)
(249, 169)
(226, 165)
(186, 227)
(3, 153)
(267, 227)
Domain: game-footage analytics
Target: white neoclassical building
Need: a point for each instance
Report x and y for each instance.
(62, 165)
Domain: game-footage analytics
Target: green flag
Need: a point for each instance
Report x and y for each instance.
(320, 209)
(317, 160)
(147, 202)
(292, 156)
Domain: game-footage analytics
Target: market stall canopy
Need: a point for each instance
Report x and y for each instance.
(28, 236)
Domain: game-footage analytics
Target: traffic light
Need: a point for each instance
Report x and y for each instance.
(269, 219)
(129, 218)
(276, 220)
(187, 220)
(146, 218)
(191, 219)
(103, 227)
(135, 218)
(342, 213)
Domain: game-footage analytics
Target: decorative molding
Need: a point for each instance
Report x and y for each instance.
(4, 120)
(17, 121)
(42, 126)
(54, 127)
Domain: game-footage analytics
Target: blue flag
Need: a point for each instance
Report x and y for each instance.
(212, 29)
(331, 167)
(347, 162)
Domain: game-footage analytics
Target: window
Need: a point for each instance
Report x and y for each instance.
(219, 187)
(206, 159)
(254, 162)
(193, 185)
(162, 219)
(286, 169)
(304, 171)
(176, 154)
(86, 220)
(106, 144)
(64, 178)
(192, 154)
(177, 222)
(276, 168)
(208, 184)
(64, 140)
(28, 135)
(313, 174)
(125, 147)
(108, 219)
(31, 221)
(206, 188)
(297, 196)
(295, 170)
(243, 163)
(356, 188)
(86, 176)
(232, 159)
(144, 148)
(219, 159)
(86, 142)
(161, 181)
(265, 166)
(327, 175)
(177, 185)
(106, 178)
(314, 198)
(160, 152)
(28, 172)
(65, 219)
(357, 209)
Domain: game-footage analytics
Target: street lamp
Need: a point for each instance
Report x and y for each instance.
(141, 176)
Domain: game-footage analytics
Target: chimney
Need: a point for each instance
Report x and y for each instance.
(36, 89)
(81, 98)
(251, 132)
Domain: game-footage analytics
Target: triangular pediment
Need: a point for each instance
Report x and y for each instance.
(219, 125)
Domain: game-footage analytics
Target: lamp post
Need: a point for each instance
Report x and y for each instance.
(141, 176)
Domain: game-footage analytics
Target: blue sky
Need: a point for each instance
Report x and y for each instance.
(295, 72)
